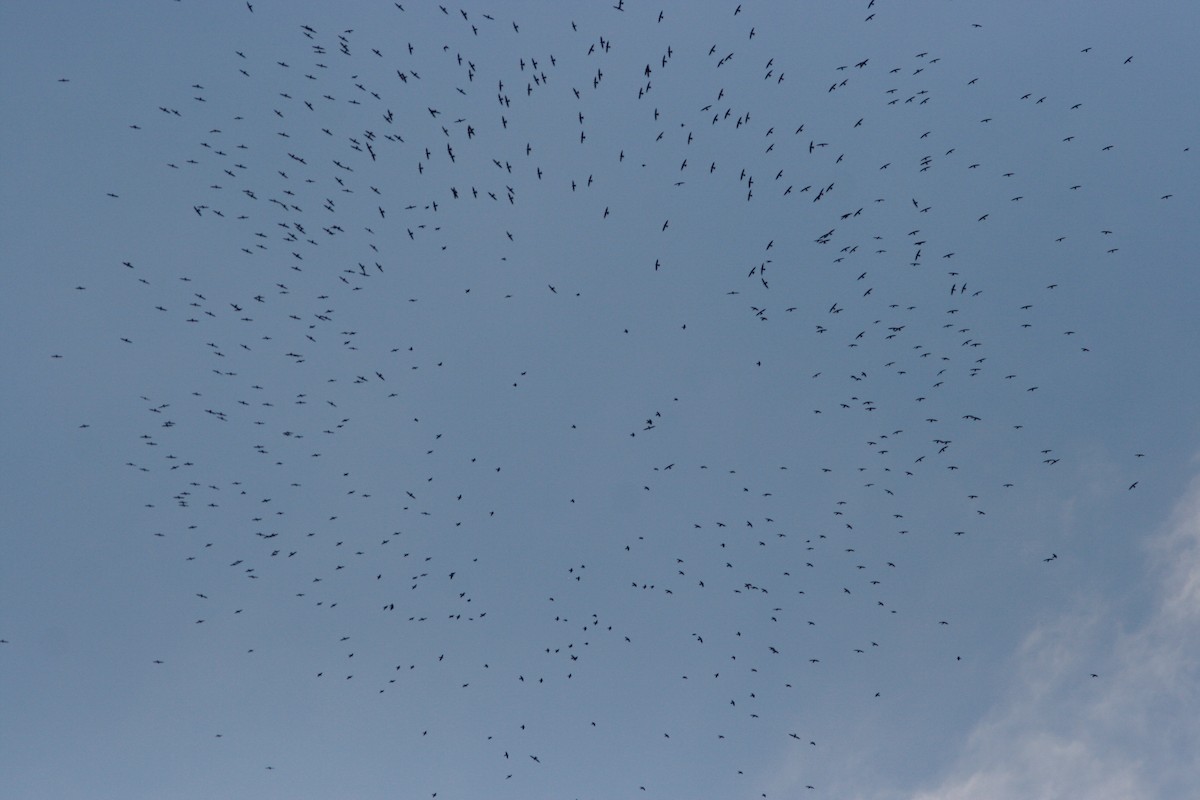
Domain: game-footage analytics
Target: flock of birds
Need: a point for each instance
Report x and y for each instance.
(609, 373)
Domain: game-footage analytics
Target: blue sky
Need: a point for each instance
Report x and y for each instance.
(529, 400)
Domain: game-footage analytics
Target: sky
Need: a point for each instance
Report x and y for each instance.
(579, 400)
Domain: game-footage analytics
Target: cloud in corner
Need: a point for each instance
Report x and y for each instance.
(1099, 709)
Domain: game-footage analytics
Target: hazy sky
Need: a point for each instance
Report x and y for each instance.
(561, 400)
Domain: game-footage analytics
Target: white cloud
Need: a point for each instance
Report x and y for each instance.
(1131, 733)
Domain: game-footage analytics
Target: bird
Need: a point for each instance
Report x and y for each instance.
(716, 466)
